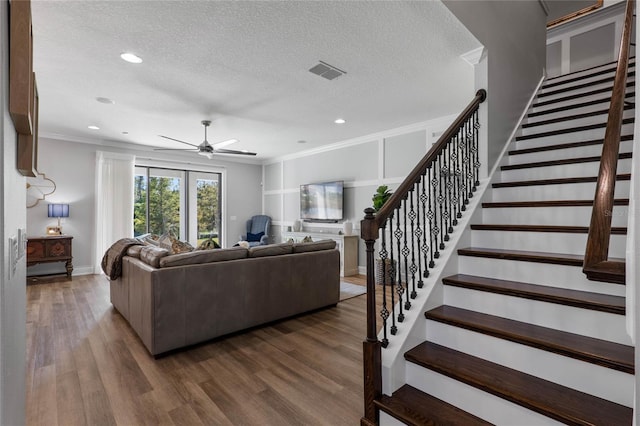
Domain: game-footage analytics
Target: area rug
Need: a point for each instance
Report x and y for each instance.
(348, 290)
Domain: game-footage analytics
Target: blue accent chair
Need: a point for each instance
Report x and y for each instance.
(255, 225)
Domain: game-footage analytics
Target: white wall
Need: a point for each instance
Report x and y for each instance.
(514, 35)
(12, 288)
(71, 165)
(363, 163)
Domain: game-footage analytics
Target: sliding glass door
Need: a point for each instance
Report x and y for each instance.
(182, 203)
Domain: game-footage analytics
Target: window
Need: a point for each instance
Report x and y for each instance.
(183, 203)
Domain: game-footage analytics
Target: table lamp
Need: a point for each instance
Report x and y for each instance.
(58, 210)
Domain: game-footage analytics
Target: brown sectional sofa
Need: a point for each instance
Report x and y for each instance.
(173, 301)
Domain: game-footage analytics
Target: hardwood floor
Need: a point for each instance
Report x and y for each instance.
(85, 365)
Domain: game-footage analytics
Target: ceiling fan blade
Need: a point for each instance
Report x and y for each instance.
(178, 140)
(224, 143)
(176, 149)
(231, 151)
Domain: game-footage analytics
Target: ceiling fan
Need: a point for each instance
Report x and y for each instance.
(205, 148)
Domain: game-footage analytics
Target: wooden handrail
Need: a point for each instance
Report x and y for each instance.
(418, 171)
(596, 265)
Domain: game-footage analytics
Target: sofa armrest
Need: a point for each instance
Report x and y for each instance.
(264, 240)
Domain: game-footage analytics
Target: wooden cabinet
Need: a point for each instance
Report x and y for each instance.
(50, 249)
(347, 244)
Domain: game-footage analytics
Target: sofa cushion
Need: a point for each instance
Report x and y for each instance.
(134, 251)
(151, 255)
(271, 250)
(203, 256)
(314, 246)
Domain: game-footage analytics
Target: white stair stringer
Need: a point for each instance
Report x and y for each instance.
(473, 400)
(586, 377)
(599, 325)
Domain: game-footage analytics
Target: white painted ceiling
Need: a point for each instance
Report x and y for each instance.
(244, 65)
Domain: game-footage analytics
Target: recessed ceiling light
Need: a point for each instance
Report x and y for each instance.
(105, 100)
(93, 127)
(130, 57)
(339, 121)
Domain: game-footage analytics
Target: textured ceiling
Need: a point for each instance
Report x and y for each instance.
(244, 65)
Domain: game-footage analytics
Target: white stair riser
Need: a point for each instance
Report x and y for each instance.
(572, 191)
(590, 168)
(387, 420)
(563, 216)
(566, 153)
(558, 242)
(577, 136)
(472, 400)
(572, 102)
(569, 277)
(583, 376)
(576, 122)
(600, 325)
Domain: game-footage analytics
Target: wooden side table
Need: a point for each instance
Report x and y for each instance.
(50, 249)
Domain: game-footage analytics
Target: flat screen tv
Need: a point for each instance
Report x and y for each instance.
(321, 202)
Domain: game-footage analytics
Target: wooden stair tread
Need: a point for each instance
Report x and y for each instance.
(569, 130)
(576, 298)
(588, 349)
(525, 256)
(606, 68)
(575, 106)
(414, 407)
(555, 181)
(550, 399)
(543, 228)
(583, 85)
(570, 117)
(544, 148)
(609, 66)
(621, 156)
(579, 95)
(549, 203)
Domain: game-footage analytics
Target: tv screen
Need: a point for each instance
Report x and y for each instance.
(321, 202)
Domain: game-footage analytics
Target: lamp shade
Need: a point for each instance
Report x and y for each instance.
(58, 210)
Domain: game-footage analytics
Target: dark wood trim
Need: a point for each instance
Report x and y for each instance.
(581, 86)
(570, 130)
(575, 106)
(621, 156)
(597, 250)
(418, 171)
(556, 181)
(542, 228)
(544, 293)
(523, 256)
(570, 117)
(21, 66)
(588, 349)
(609, 271)
(550, 399)
(630, 84)
(612, 67)
(569, 145)
(548, 203)
(27, 150)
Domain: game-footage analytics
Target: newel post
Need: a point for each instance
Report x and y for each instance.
(371, 349)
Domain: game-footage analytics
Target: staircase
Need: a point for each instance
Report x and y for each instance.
(523, 337)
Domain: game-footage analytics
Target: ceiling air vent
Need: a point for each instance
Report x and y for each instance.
(327, 71)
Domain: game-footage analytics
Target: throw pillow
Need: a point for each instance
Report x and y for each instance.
(178, 246)
(307, 239)
(254, 237)
(208, 245)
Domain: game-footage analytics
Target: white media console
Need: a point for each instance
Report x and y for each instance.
(347, 244)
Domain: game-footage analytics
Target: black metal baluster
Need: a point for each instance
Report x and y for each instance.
(469, 144)
(392, 275)
(412, 217)
(424, 198)
(399, 287)
(463, 172)
(444, 177)
(476, 163)
(456, 177)
(433, 211)
(448, 186)
(442, 228)
(405, 256)
(420, 233)
(384, 312)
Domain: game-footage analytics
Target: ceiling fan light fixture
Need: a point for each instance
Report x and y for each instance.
(209, 155)
(131, 58)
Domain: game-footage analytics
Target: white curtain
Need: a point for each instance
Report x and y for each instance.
(114, 201)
